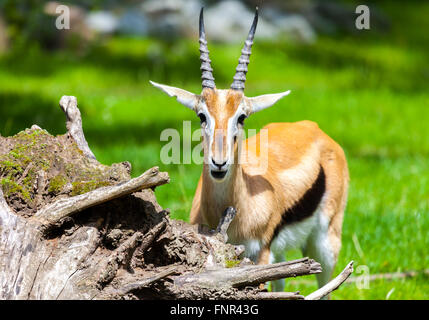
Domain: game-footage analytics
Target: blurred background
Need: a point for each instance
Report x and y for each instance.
(367, 89)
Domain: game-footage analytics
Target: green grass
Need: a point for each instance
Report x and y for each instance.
(369, 92)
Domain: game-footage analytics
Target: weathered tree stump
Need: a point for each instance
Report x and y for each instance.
(72, 228)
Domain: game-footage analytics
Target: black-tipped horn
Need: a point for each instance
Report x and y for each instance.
(206, 69)
(240, 72)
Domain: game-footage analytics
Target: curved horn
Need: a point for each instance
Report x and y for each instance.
(240, 72)
(206, 69)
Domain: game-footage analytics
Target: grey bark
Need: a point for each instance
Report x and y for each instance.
(251, 275)
(74, 123)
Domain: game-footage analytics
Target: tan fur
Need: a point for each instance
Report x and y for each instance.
(260, 200)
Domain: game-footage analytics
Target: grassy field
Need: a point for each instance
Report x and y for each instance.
(368, 92)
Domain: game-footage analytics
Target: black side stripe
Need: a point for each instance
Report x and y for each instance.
(307, 205)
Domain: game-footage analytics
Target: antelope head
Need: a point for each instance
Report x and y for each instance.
(222, 111)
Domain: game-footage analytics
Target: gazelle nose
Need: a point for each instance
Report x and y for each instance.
(219, 165)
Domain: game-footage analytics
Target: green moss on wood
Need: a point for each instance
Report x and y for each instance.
(57, 183)
(35, 155)
(232, 263)
(10, 187)
(81, 187)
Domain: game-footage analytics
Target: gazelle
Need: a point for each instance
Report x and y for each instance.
(297, 202)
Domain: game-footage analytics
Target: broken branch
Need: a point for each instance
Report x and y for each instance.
(74, 124)
(226, 219)
(152, 235)
(148, 281)
(251, 275)
(331, 285)
(52, 214)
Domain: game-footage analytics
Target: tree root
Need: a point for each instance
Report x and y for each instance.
(118, 258)
(138, 285)
(116, 242)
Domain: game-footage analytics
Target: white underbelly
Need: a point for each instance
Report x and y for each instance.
(290, 237)
(294, 235)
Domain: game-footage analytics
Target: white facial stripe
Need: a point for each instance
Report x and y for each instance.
(233, 129)
(209, 129)
(221, 101)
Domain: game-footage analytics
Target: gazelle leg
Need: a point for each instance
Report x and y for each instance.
(320, 246)
(264, 255)
(264, 258)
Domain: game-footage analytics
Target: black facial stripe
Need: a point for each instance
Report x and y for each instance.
(307, 205)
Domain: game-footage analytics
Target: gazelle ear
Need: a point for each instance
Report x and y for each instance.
(265, 101)
(186, 98)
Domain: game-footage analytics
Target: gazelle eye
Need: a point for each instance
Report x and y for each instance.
(202, 117)
(241, 119)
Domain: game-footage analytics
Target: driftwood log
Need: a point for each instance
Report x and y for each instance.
(72, 228)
